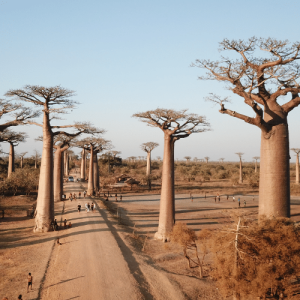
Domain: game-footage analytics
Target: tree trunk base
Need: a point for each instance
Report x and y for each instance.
(162, 236)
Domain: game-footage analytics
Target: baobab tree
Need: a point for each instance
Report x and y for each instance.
(260, 80)
(13, 138)
(22, 158)
(94, 145)
(36, 156)
(240, 154)
(297, 151)
(158, 158)
(19, 113)
(206, 159)
(175, 125)
(256, 158)
(221, 160)
(148, 147)
(188, 159)
(115, 153)
(52, 101)
(61, 144)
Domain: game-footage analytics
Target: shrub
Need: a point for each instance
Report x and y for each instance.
(257, 259)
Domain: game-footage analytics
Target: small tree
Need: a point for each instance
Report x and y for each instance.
(221, 160)
(187, 239)
(297, 151)
(175, 125)
(206, 159)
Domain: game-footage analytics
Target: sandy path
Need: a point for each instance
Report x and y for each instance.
(89, 264)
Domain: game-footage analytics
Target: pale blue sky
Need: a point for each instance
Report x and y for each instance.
(123, 57)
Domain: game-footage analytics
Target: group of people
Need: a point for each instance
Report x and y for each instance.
(87, 207)
(110, 195)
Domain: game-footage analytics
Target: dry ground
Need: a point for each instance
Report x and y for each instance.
(112, 246)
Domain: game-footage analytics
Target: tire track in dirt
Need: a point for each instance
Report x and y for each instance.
(132, 264)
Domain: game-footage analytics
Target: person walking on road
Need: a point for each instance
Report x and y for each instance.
(79, 195)
(116, 196)
(239, 201)
(79, 207)
(120, 197)
(92, 206)
(29, 280)
(84, 194)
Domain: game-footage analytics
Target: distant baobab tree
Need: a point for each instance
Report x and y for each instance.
(158, 158)
(188, 159)
(297, 151)
(148, 147)
(221, 160)
(206, 159)
(36, 156)
(52, 101)
(175, 125)
(94, 145)
(260, 80)
(22, 158)
(240, 154)
(13, 138)
(256, 158)
(115, 153)
(195, 159)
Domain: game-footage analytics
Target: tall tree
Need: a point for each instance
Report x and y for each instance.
(256, 158)
(260, 80)
(13, 138)
(52, 101)
(206, 159)
(297, 151)
(94, 145)
(36, 157)
(61, 144)
(240, 154)
(21, 155)
(83, 165)
(221, 160)
(148, 147)
(175, 125)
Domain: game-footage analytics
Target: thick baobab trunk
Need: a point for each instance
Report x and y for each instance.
(90, 189)
(241, 171)
(167, 205)
(66, 163)
(82, 167)
(35, 161)
(96, 173)
(58, 173)
(45, 200)
(255, 166)
(297, 169)
(11, 159)
(148, 171)
(274, 183)
(21, 164)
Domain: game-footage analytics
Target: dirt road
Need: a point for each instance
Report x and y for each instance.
(94, 262)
